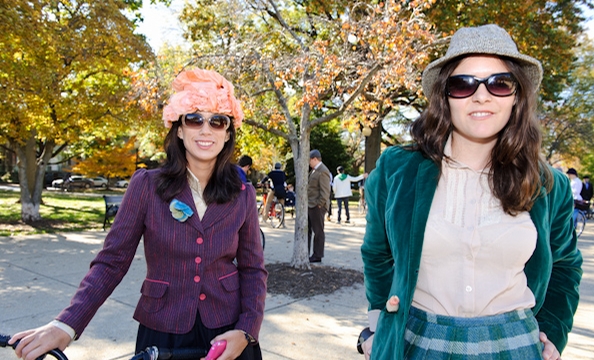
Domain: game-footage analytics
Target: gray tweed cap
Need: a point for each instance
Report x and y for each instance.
(486, 39)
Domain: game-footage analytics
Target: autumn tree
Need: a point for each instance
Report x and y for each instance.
(570, 120)
(300, 64)
(64, 73)
(112, 159)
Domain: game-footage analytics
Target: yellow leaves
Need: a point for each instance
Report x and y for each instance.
(110, 161)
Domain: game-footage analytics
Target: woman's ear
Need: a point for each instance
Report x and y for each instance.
(180, 133)
(227, 136)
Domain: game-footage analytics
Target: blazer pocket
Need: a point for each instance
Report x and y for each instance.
(230, 281)
(153, 295)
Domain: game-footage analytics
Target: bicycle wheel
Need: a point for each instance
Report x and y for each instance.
(580, 223)
(277, 215)
(361, 206)
(262, 238)
(260, 209)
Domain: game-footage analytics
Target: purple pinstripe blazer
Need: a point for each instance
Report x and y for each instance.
(189, 264)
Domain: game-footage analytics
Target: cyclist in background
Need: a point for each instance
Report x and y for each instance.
(278, 178)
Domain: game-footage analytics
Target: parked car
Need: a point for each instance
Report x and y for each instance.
(51, 176)
(77, 181)
(99, 182)
(57, 183)
(121, 183)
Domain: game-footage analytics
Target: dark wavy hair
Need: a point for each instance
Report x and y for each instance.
(517, 169)
(224, 184)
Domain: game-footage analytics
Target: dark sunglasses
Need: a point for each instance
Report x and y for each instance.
(196, 121)
(463, 86)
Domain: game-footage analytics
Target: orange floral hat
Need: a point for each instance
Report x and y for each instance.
(202, 90)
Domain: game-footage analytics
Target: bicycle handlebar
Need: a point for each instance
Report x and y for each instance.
(150, 353)
(56, 353)
(154, 353)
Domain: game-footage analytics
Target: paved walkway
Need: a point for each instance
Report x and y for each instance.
(39, 274)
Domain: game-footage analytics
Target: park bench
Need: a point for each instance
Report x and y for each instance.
(112, 204)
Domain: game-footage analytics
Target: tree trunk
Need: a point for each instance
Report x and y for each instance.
(300, 150)
(31, 176)
(373, 145)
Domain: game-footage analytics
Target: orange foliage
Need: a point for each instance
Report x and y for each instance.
(111, 161)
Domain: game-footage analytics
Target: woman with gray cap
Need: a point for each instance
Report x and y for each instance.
(469, 250)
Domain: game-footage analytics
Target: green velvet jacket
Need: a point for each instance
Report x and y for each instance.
(399, 193)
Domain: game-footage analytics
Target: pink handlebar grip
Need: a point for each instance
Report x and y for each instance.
(216, 350)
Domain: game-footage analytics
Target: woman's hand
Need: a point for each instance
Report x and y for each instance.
(37, 342)
(550, 350)
(366, 346)
(236, 343)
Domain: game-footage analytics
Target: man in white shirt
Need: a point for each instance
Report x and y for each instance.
(342, 191)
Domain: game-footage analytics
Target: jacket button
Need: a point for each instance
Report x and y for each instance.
(196, 278)
(198, 260)
(200, 240)
(202, 297)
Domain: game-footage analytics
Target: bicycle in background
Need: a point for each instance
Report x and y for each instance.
(276, 213)
(581, 210)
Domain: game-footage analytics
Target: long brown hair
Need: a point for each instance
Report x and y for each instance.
(224, 184)
(517, 169)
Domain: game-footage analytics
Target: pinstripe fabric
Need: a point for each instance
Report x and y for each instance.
(509, 336)
(189, 264)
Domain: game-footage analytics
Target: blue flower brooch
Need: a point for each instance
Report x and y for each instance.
(180, 211)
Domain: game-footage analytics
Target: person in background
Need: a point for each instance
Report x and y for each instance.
(206, 279)
(587, 190)
(576, 183)
(343, 192)
(290, 198)
(469, 251)
(244, 164)
(576, 191)
(587, 193)
(329, 214)
(278, 178)
(318, 198)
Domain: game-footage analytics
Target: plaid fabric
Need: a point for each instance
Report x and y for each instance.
(513, 335)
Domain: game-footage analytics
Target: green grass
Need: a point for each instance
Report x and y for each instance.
(60, 212)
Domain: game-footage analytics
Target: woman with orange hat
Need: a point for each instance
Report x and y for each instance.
(205, 270)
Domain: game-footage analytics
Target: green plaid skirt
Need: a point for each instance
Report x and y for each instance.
(513, 335)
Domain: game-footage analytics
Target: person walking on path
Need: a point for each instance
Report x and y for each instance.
(343, 192)
(278, 178)
(206, 279)
(318, 198)
(469, 250)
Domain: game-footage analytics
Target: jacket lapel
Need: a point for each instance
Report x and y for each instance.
(186, 197)
(216, 212)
